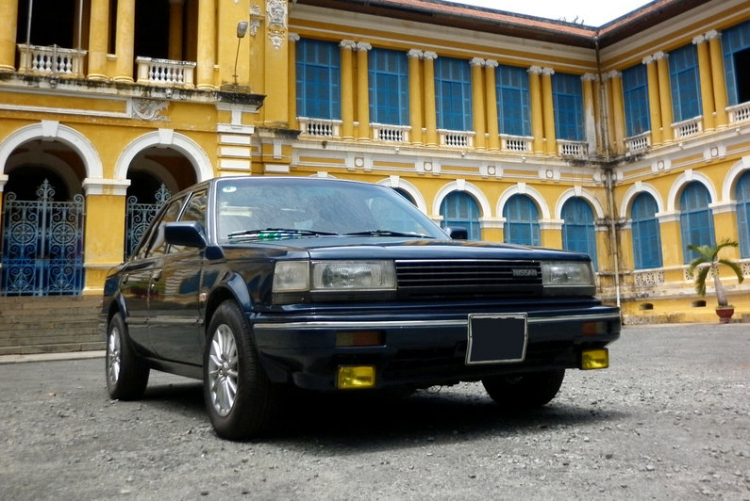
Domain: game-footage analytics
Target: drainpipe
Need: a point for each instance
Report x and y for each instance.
(613, 233)
(603, 121)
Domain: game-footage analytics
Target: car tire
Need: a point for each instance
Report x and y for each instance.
(127, 375)
(524, 391)
(241, 401)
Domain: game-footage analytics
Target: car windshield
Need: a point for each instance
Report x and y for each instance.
(297, 207)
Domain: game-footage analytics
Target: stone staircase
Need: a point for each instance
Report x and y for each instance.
(30, 325)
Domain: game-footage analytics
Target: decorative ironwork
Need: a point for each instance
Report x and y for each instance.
(42, 245)
(139, 216)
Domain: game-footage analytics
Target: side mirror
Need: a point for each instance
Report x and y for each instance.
(187, 233)
(457, 233)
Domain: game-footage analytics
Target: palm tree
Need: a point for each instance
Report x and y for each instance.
(709, 260)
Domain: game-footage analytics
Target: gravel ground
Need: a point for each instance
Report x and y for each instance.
(669, 419)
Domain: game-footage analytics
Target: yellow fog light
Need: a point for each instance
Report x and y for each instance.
(355, 377)
(595, 359)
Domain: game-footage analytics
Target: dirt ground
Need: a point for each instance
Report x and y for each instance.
(670, 419)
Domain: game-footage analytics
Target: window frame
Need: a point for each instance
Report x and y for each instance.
(453, 94)
(521, 221)
(645, 232)
(318, 81)
(567, 99)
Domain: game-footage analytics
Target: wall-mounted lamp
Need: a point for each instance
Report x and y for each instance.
(241, 32)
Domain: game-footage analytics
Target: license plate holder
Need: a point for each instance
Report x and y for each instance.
(496, 339)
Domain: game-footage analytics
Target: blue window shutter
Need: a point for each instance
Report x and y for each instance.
(685, 82)
(635, 96)
(318, 67)
(567, 97)
(521, 221)
(733, 40)
(513, 100)
(460, 209)
(579, 232)
(453, 94)
(645, 233)
(389, 87)
(743, 213)
(696, 220)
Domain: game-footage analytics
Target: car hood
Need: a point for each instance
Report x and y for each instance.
(326, 247)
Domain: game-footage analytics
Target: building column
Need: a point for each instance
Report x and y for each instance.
(719, 78)
(550, 233)
(611, 144)
(653, 100)
(477, 102)
(707, 88)
(363, 91)
(671, 238)
(665, 96)
(537, 122)
(9, 20)
(292, 89)
(430, 112)
(124, 45)
(490, 89)
(104, 246)
(98, 39)
(175, 29)
(589, 110)
(347, 89)
(415, 95)
(618, 110)
(275, 61)
(206, 44)
(548, 112)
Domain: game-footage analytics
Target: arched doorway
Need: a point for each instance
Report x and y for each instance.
(43, 221)
(155, 175)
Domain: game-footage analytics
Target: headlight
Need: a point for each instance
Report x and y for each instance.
(301, 281)
(574, 278)
(353, 275)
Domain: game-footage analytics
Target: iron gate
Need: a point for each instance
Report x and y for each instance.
(139, 216)
(42, 245)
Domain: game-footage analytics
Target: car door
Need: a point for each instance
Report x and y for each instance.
(137, 274)
(175, 325)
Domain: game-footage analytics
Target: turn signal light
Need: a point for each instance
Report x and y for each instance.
(595, 359)
(354, 377)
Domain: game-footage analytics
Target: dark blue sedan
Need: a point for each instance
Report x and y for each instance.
(257, 284)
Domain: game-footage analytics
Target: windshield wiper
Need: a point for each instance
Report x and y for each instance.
(386, 233)
(276, 233)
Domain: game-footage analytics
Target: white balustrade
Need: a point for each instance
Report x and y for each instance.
(641, 142)
(739, 113)
(688, 128)
(152, 71)
(51, 60)
(521, 144)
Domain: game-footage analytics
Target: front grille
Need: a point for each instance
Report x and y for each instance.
(447, 279)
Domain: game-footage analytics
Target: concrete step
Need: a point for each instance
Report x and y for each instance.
(49, 324)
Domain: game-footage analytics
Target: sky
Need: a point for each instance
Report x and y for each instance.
(588, 12)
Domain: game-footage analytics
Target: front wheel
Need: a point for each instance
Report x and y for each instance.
(240, 400)
(524, 391)
(127, 375)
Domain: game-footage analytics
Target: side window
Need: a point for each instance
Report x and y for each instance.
(157, 246)
(194, 211)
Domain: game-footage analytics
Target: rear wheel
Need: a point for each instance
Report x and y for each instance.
(524, 391)
(240, 400)
(127, 375)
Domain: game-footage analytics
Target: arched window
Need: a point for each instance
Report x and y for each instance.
(405, 194)
(645, 231)
(696, 220)
(578, 230)
(742, 194)
(521, 221)
(459, 209)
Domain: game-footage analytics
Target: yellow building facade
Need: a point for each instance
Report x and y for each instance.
(627, 141)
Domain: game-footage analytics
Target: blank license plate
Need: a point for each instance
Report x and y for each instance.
(496, 339)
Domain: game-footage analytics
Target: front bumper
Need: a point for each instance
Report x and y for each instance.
(420, 350)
